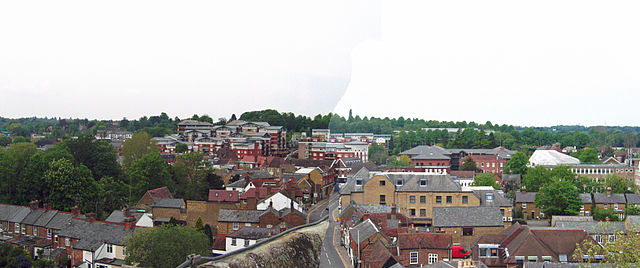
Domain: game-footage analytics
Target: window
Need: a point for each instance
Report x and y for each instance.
(606, 206)
(423, 182)
(489, 197)
(35, 231)
(612, 238)
(236, 226)
(246, 243)
(423, 212)
(100, 266)
(233, 241)
(615, 206)
(524, 205)
(412, 199)
(519, 259)
(67, 242)
(399, 182)
(16, 228)
(465, 200)
(247, 224)
(598, 238)
(49, 233)
(502, 211)
(269, 226)
(433, 258)
(546, 258)
(467, 231)
(449, 199)
(412, 212)
(24, 229)
(423, 199)
(413, 257)
(358, 182)
(383, 199)
(532, 258)
(109, 248)
(438, 199)
(383, 183)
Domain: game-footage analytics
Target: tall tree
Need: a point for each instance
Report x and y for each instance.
(517, 164)
(378, 154)
(486, 179)
(149, 172)
(536, 178)
(136, 147)
(12, 165)
(559, 197)
(97, 155)
(173, 243)
(619, 184)
(469, 164)
(70, 186)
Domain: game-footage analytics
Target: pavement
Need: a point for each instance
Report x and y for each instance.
(333, 254)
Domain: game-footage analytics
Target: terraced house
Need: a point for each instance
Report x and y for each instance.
(416, 194)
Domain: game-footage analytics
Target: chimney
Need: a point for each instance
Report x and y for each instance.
(46, 206)
(524, 189)
(75, 211)
(91, 217)
(501, 149)
(33, 204)
(393, 209)
(129, 222)
(126, 212)
(291, 205)
(609, 191)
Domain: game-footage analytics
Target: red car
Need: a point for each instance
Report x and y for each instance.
(458, 251)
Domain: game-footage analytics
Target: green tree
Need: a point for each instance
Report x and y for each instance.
(199, 227)
(4, 141)
(535, 178)
(136, 147)
(114, 195)
(209, 233)
(486, 179)
(181, 148)
(97, 155)
(189, 177)
(173, 243)
(70, 186)
(32, 185)
(559, 197)
(587, 155)
(604, 214)
(624, 251)
(619, 184)
(378, 154)
(469, 164)
(400, 161)
(12, 166)
(517, 164)
(632, 209)
(149, 172)
(20, 139)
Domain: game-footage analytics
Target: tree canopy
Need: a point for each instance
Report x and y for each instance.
(172, 242)
(559, 197)
(486, 179)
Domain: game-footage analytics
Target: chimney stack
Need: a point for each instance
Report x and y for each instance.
(33, 204)
(609, 191)
(91, 217)
(393, 209)
(129, 222)
(75, 211)
(126, 212)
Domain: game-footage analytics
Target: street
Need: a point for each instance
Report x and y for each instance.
(329, 257)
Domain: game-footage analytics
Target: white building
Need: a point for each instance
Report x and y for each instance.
(361, 149)
(279, 201)
(247, 236)
(551, 158)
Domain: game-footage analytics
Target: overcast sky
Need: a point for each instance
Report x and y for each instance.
(524, 63)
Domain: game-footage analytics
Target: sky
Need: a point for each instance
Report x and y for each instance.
(508, 62)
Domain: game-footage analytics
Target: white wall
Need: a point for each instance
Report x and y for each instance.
(145, 221)
(280, 201)
(239, 244)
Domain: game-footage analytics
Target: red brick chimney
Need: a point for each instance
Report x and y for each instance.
(91, 217)
(75, 211)
(129, 222)
(33, 204)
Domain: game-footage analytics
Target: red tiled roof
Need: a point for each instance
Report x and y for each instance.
(424, 240)
(259, 192)
(219, 242)
(162, 192)
(223, 196)
(376, 254)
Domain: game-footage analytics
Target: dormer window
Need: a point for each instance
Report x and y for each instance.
(358, 182)
(423, 182)
(399, 182)
(489, 197)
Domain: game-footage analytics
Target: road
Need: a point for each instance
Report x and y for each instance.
(329, 257)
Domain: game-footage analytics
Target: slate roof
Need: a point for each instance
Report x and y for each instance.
(59, 221)
(586, 198)
(525, 197)
(32, 217)
(410, 182)
(239, 183)
(254, 233)
(234, 215)
(17, 213)
(363, 231)
(466, 217)
(373, 208)
(45, 218)
(424, 240)
(603, 198)
(118, 217)
(634, 222)
(511, 178)
(633, 199)
(498, 199)
(425, 149)
(92, 235)
(594, 227)
(168, 203)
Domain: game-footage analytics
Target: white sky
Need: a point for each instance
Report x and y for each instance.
(525, 63)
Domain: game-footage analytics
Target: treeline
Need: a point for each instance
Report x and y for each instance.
(86, 172)
(407, 132)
